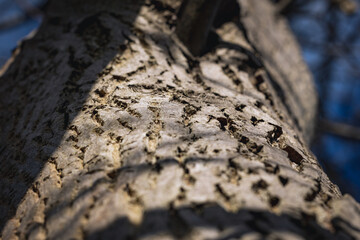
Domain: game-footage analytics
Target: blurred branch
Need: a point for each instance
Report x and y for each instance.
(29, 11)
(12, 22)
(340, 129)
(287, 6)
(283, 4)
(4, 6)
(347, 6)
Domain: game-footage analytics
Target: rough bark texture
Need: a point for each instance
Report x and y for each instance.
(111, 131)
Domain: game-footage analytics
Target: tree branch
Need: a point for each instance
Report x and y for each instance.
(340, 129)
(195, 19)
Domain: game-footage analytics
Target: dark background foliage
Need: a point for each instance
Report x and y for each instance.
(328, 32)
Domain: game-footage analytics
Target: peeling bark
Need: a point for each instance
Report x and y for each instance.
(110, 130)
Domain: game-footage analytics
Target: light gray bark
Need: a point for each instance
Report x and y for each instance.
(110, 130)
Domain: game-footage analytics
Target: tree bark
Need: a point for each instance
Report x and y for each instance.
(112, 130)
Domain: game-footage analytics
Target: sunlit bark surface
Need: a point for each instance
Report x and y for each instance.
(110, 129)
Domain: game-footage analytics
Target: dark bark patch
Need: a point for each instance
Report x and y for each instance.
(269, 168)
(259, 185)
(274, 201)
(113, 174)
(98, 131)
(223, 122)
(327, 199)
(222, 192)
(124, 124)
(107, 70)
(100, 92)
(35, 189)
(177, 81)
(192, 63)
(293, 155)
(310, 196)
(252, 171)
(119, 78)
(254, 148)
(232, 128)
(274, 134)
(261, 85)
(135, 199)
(122, 105)
(188, 179)
(182, 194)
(190, 110)
(72, 138)
(244, 139)
(129, 190)
(259, 104)
(255, 121)
(232, 75)
(75, 129)
(234, 165)
(198, 79)
(157, 167)
(240, 107)
(139, 70)
(95, 115)
(134, 112)
(152, 62)
(283, 180)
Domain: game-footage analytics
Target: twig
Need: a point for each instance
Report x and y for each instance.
(340, 129)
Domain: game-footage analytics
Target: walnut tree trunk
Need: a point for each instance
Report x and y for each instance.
(112, 129)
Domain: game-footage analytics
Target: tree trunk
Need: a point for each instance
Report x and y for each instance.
(111, 129)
